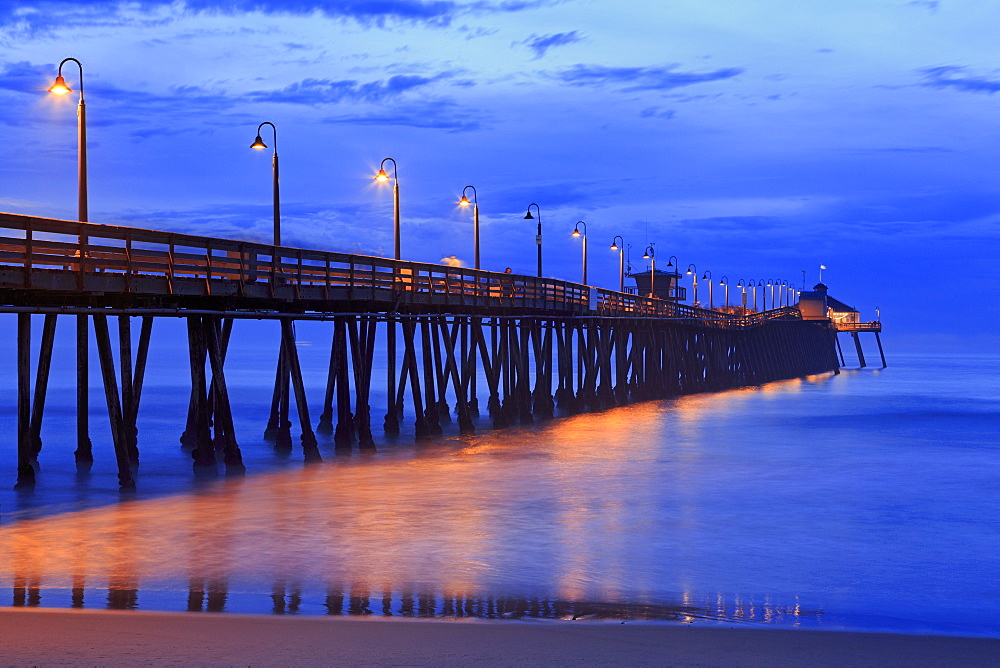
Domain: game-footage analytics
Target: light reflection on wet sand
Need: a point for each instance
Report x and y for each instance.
(498, 524)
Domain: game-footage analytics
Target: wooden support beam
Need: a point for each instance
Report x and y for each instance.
(142, 354)
(465, 425)
(325, 425)
(344, 433)
(431, 418)
(203, 452)
(41, 383)
(212, 333)
(390, 423)
(127, 387)
(25, 467)
(857, 346)
(880, 351)
(309, 443)
(363, 356)
(421, 432)
(441, 377)
(126, 480)
(84, 453)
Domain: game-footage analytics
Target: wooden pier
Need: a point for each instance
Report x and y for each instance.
(532, 348)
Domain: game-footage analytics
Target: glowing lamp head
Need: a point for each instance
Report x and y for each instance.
(60, 87)
(381, 177)
(464, 201)
(576, 233)
(614, 246)
(704, 277)
(258, 143)
(645, 256)
(688, 271)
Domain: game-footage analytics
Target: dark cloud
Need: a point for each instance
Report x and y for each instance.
(641, 78)
(42, 16)
(325, 91)
(25, 77)
(953, 76)
(542, 43)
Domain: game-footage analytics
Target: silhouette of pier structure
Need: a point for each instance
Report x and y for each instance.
(448, 336)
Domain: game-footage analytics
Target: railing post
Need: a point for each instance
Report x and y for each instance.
(128, 262)
(326, 282)
(208, 268)
(82, 257)
(27, 254)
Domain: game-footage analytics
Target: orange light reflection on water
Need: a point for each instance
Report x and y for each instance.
(457, 518)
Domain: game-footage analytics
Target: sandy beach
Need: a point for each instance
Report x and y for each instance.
(35, 637)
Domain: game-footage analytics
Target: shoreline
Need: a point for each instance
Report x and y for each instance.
(39, 637)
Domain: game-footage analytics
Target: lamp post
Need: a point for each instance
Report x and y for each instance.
(475, 219)
(649, 255)
(693, 270)
(771, 283)
(382, 177)
(538, 234)
(743, 300)
(753, 284)
(708, 274)
(576, 233)
(84, 447)
(259, 144)
(672, 261)
(725, 281)
(763, 294)
(621, 261)
(60, 88)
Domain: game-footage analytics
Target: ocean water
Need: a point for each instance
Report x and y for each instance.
(865, 501)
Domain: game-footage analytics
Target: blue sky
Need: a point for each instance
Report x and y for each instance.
(753, 138)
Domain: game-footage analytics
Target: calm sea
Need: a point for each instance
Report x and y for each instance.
(866, 500)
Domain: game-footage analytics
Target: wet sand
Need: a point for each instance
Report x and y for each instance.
(38, 637)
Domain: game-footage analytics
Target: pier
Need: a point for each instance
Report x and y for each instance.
(531, 348)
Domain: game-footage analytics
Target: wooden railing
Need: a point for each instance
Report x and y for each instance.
(874, 326)
(46, 254)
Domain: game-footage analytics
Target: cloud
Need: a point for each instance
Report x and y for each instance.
(641, 78)
(25, 77)
(42, 16)
(439, 114)
(657, 112)
(326, 91)
(953, 76)
(541, 44)
(930, 5)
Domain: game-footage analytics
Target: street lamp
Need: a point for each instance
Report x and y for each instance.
(725, 281)
(753, 284)
(763, 294)
(708, 274)
(576, 233)
(82, 421)
(621, 261)
(60, 88)
(693, 270)
(649, 255)
(771, 283)
(259, 144)
(382, 177)
(743, 302)
(538, 234)
(475, 218)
